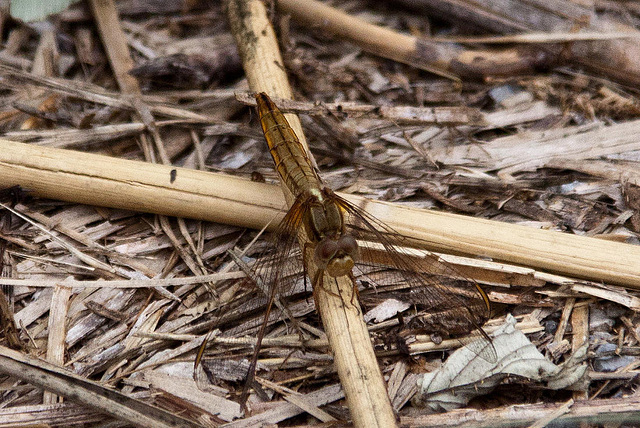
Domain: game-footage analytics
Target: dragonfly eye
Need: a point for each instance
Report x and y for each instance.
(348, 245)
(337, 256)
(325, 250)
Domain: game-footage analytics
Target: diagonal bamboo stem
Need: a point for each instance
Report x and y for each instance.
(355, 360)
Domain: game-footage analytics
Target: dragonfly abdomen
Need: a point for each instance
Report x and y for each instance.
(292, 163)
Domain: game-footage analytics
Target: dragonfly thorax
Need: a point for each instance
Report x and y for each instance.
(335, 251)
(323, 217)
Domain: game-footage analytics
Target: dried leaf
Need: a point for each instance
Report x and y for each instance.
(385, 310)
(465, 375)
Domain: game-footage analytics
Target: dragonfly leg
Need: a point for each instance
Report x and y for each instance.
(355, 294)
(305, 272)
(304, 336)
(319, 283)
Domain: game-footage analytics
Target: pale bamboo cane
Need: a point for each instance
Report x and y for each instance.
(105, 181)
(341, 315)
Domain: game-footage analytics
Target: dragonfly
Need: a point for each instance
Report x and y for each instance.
(346, 241)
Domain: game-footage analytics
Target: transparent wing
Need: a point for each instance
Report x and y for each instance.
(280, 268)
(455, 303)
(276, 273)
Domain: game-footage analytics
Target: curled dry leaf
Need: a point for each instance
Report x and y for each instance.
(465, 375)
(385, 310)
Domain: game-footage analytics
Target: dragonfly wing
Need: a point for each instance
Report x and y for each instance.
(455, 303)
(277, 273)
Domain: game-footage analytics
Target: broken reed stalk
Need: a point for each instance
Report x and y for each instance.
(445, 58)
(372, 38)
(341, 315)
(92, 179)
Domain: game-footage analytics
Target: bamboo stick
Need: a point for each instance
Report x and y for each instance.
(353, 353)
(372, 38)
(443, 58)
(119, 183)
(105, 181)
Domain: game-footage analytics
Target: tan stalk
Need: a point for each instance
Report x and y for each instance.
(105, 181)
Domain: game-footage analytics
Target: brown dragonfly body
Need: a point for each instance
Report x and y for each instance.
(341, 238)
(335, 250)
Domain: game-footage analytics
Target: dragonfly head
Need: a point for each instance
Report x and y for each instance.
(337, 255)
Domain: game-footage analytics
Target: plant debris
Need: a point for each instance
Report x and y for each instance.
(536, 129)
